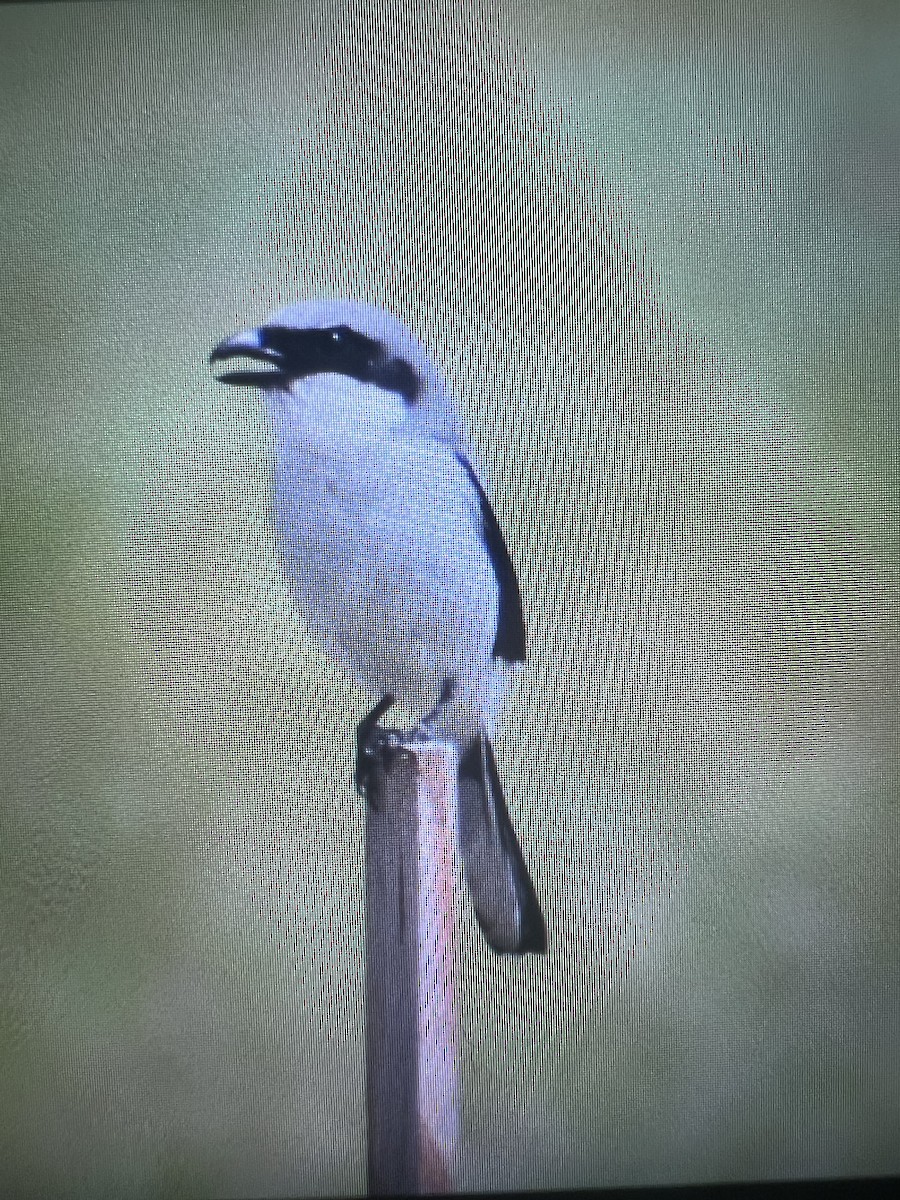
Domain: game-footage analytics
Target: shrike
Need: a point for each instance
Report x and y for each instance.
(395, 557)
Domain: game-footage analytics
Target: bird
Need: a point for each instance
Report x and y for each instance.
(395, 558)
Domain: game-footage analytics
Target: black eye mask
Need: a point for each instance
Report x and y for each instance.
(299, 353)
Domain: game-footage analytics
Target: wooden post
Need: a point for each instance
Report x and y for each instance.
(411, 1021)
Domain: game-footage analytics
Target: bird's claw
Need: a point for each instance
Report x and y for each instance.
(364, 771)
(368, 752)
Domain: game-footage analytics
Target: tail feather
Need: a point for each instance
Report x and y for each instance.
(505, 902)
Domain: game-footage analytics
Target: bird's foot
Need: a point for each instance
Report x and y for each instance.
(364, 769)
(424, 730)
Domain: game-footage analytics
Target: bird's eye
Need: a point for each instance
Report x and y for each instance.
(337, 334)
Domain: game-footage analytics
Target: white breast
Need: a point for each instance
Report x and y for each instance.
(380, 531)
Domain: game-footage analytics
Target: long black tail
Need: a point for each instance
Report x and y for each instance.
(505, 902)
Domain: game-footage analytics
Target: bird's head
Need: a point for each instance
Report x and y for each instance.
(319, 338)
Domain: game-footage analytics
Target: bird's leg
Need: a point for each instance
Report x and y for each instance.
(364, 756)
(424, 729)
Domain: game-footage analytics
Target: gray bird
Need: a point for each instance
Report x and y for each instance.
(395, 557)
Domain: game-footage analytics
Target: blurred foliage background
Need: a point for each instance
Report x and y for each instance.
(657, 254)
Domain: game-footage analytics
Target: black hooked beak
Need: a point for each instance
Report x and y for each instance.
(250, 344)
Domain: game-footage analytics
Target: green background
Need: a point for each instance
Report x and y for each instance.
(657, 254)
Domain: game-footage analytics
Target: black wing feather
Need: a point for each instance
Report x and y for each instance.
(509, 642)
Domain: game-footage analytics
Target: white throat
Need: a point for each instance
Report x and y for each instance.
(334, 407)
